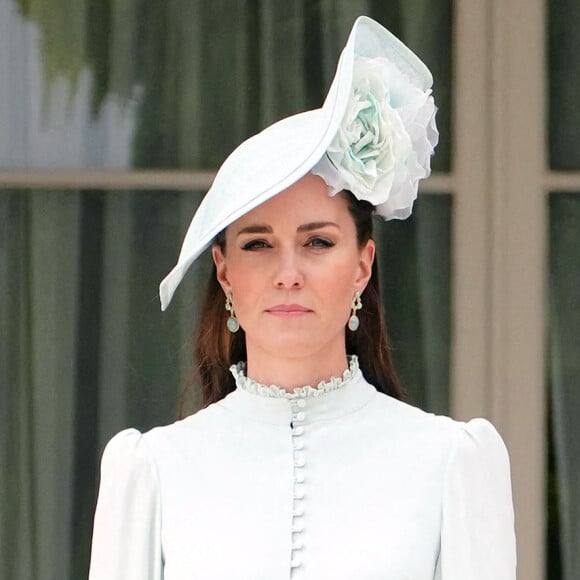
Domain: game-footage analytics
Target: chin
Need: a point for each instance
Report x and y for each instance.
(296, 344)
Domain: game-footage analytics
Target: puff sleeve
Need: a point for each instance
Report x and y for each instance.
(477, 530)
(127, 529)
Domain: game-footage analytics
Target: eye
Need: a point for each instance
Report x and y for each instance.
(255, 245)
(319, 242)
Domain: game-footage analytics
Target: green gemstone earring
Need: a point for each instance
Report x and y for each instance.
(354, 321)
(232, 322)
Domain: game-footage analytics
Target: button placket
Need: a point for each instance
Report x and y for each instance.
(299, 463)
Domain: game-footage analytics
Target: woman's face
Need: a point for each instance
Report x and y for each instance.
(292, 266)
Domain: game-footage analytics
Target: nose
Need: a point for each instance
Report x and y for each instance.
(288, 272)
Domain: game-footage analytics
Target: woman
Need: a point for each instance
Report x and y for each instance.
(304, 461)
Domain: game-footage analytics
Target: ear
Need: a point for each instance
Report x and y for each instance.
(219, 260)
(365, 266)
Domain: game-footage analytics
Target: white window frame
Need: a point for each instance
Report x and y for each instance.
(500, 244)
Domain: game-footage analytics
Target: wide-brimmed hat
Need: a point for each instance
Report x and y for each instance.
(374, 136)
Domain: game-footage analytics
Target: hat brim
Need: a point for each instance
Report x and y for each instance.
(274, 159)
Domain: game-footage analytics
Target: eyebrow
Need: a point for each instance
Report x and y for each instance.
(316, 226)
(255, 229)
(264, 229)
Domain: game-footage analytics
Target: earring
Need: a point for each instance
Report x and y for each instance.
(353, 321)
(232, 322)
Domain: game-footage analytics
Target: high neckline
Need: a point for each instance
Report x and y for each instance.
(332, 399)
(274, 391)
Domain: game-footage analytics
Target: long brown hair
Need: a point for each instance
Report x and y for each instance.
(216, 349)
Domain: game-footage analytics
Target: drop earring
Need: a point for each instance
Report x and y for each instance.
(232, 322)
(354, 321)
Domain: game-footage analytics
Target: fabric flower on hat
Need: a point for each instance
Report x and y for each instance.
(385, 142)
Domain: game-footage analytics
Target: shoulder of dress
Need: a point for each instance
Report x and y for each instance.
(411, 414)
(125, 442)
(132, 454)
(477, 432)
(479, 428)
(198, 426)
(479, 438)
(127, 451)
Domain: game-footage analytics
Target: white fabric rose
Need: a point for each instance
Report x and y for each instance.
(385, 141)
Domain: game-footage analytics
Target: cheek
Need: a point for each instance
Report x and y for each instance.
(340, 292)
(336, 284)
(247, 286)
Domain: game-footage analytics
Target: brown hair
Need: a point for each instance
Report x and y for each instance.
(216, 349)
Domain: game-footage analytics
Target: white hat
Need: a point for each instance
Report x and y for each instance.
(374, 136)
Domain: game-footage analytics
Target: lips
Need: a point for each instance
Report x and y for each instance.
(288, 310)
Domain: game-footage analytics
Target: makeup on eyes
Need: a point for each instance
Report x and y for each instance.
(315, 242)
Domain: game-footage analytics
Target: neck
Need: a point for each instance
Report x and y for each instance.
(290, 373)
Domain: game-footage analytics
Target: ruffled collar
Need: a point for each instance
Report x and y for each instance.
(330, 400)
(273, 391)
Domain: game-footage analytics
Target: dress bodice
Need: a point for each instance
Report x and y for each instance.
(334, 481)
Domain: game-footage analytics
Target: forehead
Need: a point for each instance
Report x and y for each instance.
(305, 201)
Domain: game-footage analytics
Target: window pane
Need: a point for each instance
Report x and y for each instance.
(84, 352)
(426, 26)
(180, 84)
(564, 366)
(564, 84)
(415, 264)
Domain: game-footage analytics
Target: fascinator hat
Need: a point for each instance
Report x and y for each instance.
(374, 136)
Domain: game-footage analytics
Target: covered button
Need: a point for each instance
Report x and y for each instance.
(298, 509)
(298, 491)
